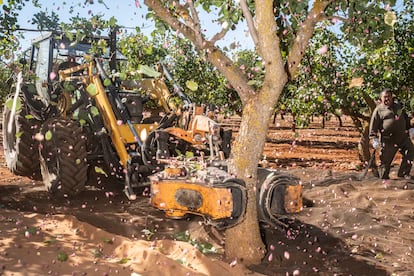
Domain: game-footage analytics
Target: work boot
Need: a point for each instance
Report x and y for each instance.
(406, 177)
(404, 169)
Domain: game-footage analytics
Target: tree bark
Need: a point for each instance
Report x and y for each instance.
(363, 144)
(244, 241)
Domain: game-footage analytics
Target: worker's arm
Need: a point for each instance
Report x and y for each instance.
(375, 124)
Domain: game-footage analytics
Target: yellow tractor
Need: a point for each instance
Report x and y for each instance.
(72, 117)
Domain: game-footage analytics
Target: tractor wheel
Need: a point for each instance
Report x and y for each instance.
(20, 148)
(63, 157)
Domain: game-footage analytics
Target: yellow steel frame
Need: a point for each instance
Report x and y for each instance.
(120, 134)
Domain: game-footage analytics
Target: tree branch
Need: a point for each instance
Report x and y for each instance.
(269, 46)
(250, 22)
(214, 55)
(219, 35)
(304, 34)
(196, 21)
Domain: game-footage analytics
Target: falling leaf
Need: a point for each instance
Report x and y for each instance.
(9, 104)
(122, 76)
(124, 260)
(107, 82)
(48, 135)
(390, 18)
(94, 111)
(92, 89)
(100, 171)
(19, 134)
(146, 70)
(192, 85)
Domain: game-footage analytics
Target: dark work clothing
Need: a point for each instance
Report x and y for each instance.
(392, 125)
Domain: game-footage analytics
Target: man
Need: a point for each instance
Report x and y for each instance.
(392, 124)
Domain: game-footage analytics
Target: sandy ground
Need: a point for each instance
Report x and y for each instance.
(347, 227)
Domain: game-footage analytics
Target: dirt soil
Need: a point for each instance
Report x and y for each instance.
(347, 226)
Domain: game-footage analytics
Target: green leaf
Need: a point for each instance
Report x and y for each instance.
(100, 171)
(97, 253)
(32, 230)
(386, 75)
(69, 35)
(51, 241)
(146, 70)
(390, 18)
(112, 21)
(180, 261)
(107, 82)
(107, 240)
(182, 236)
(62, 257)
(189, 154)
(412, 104)
(48, 135)
(9, 104)
(122, 76)
(19, 134)
(92, 89)
(192, 85)
(124, 260)
(94, 110)
(68, 86)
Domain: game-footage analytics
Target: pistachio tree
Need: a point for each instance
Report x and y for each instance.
(347, 75)
(281, 31)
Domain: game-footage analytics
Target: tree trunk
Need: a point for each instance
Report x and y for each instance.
(341, 124)
(293, 126)
(247, 149)
(363, 144)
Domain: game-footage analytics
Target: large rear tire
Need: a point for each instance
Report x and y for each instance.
(63, 157)
(20, 147)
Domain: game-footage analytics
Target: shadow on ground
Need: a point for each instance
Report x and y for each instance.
(302, 248)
